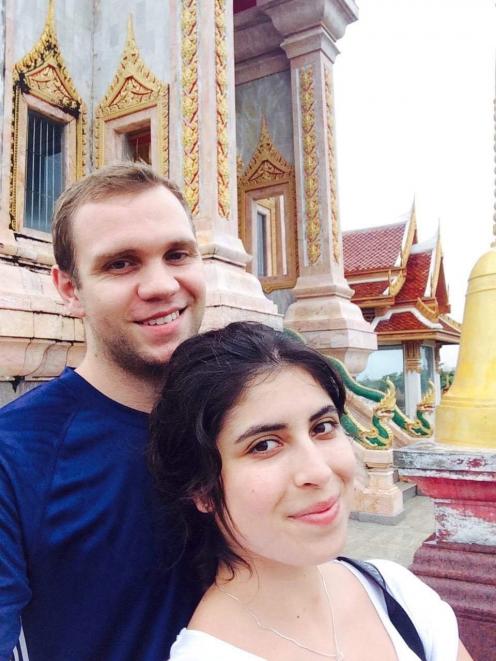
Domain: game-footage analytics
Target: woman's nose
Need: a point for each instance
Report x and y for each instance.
(311, 465)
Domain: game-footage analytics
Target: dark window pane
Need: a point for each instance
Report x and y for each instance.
(44, 170)
(261, 244)
(139, 144)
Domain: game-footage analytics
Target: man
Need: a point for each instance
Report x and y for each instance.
(81, 561)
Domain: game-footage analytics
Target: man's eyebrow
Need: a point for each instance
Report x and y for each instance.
(330, 408)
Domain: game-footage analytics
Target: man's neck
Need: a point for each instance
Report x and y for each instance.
(120, 385)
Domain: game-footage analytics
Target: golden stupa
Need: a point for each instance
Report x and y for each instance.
(467, 413)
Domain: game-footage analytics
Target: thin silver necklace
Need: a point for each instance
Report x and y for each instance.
(338, 655)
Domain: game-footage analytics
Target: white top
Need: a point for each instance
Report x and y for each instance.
(433, 618)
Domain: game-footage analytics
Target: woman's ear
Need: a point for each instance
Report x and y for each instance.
(203, 504)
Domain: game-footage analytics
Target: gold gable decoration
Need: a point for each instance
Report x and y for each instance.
(43, 74)
(133, 88)
(267, 165)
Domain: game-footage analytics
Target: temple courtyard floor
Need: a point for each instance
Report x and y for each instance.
(399, 542)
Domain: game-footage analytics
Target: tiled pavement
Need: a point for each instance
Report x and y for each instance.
(399, 542)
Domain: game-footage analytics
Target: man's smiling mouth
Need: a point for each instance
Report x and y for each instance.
(160, 321)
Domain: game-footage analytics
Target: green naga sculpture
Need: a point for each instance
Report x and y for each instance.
(379, 435)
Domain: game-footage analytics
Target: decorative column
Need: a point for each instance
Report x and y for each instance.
(207, 164)
(413, 367)
(323, 311)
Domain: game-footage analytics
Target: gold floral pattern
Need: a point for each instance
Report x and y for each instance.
(310, 164)
(223, 194)
(191, 145)
(331, 157)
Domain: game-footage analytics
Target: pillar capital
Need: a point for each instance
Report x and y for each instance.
(293, 16)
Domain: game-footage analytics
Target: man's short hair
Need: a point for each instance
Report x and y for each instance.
(108, 181)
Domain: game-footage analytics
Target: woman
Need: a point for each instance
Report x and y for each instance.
(252, 461)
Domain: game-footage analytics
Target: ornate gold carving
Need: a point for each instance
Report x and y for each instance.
(268, 169)
(42, 73)
(412, 357)
(331, 157)
(386, 406)
(451, 322)
(396, 284)
(223, 193)
(134, 88)
(432, 314)
(191, 144)
(428, 401)
(310, 163)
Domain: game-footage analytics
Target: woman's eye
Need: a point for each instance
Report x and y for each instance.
(267, 445)
(326, 427)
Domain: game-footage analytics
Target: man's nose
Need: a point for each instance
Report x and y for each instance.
(157, 280)
(312, 467)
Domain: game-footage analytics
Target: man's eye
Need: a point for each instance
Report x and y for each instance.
(119, 265)
(177, 256)
(326, 427)
(262, 447)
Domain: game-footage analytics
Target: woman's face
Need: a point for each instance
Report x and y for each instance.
(287, 470)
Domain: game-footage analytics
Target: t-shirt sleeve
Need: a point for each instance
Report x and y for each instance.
(14, 587)
(433, 618)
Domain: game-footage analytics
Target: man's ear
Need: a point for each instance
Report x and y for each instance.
(68, 291)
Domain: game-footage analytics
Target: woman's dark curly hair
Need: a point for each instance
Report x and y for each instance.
(204, 379)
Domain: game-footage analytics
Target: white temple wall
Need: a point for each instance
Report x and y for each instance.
(269, 97)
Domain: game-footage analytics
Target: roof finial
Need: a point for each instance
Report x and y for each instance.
(51, 13)
(130, 29)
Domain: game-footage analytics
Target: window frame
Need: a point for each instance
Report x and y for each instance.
(29, 102)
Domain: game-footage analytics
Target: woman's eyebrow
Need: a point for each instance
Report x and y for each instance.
(260, 429)
(323, 411)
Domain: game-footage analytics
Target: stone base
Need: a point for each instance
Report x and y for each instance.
(379, 500)
(333, 324)
(233, 294)
(464, 575)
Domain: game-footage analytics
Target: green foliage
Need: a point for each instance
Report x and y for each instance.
(447, 377)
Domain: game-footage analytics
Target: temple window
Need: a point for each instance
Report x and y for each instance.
(267, 215)
(44, 170)
(132, 120)
(48, 135)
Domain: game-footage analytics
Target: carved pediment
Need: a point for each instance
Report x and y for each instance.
(42, 72)
(134, 86)
(267, 165)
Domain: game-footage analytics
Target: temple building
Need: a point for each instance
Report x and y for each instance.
(401, 289)
(234, 101)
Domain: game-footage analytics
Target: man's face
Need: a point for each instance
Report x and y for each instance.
(140, 285)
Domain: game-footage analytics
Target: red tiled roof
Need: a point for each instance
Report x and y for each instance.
(366, 289)
(417, 273)
(401, 321)
(373, 248)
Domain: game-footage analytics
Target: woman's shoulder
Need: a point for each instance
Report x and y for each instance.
(192, 645)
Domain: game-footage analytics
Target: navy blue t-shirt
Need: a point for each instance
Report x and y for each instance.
(84, 560)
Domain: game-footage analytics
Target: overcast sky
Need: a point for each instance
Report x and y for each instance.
(414, 90)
